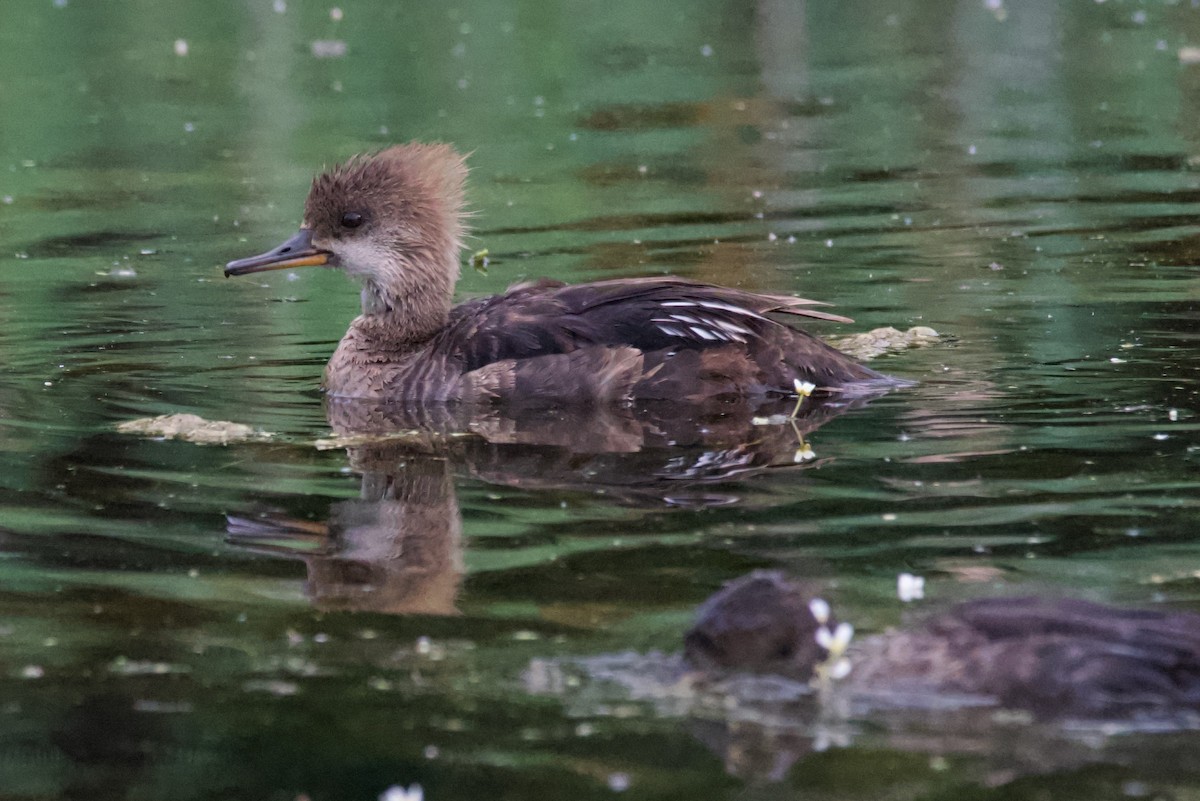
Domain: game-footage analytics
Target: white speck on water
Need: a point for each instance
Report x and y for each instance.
(757, 194)
(60, 3)
(33, 672)
(539, 100)
(280, 6)
(188, 127)
(336, 86)
(706, 50)
(771, 237)
(889, 516)
(643, 169)
(336, 14)
(791, 240)
(8, 199)
(328, 48)
(971, 150)
(432, 752)
(181, 47)
(1116, 360)
(459, 50)
(1161, 437)
(465, 29)
(463, 83)
(618, 782)
(383, 130)
(1172, 415)
(828, 243)
(1138, 17)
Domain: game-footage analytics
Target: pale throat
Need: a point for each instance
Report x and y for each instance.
(406, 302)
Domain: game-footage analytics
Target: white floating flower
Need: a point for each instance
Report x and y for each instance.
(803, 388)
(397, 793)
(910, 587)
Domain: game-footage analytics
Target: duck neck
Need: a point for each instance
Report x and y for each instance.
(411, 310)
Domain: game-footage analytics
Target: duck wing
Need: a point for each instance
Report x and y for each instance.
(651, 338)
(648, 314)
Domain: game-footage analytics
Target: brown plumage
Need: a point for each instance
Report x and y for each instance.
(1054, 658)
(394, 220)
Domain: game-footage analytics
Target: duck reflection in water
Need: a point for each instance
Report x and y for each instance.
(398, 547)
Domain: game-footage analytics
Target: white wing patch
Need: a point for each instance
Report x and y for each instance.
(698, 325)
(714, 304)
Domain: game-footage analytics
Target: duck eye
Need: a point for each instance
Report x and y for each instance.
(352, 219)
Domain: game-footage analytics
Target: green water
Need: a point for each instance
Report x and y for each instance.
(1019, 176)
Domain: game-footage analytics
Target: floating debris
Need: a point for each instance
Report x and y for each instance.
(479, 260)
(884, 340)
(193, 428)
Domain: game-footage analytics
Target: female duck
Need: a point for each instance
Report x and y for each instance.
(1053, 658)
(394, 220)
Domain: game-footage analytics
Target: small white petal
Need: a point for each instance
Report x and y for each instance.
(842, 636)
(804, 388)
(820, 610)
(841, 669)
(825, 638)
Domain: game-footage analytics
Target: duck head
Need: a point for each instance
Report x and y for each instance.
(394, 220)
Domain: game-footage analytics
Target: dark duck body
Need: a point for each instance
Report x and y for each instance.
(1056, 658)
(395, 220)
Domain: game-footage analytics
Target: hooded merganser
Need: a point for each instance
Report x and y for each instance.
(395, 220)
(1061, 658)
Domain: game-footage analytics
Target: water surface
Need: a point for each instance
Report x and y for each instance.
(273, 620)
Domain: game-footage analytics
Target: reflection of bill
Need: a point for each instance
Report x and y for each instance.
(398, 548)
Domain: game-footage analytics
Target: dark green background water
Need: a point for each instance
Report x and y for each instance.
(1019, 176)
